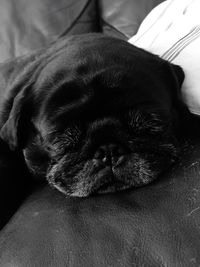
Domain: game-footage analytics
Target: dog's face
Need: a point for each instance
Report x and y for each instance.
(96, 115)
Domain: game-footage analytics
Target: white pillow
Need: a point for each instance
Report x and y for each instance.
(172, 31)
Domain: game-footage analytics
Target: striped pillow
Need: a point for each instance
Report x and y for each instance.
(172, 31)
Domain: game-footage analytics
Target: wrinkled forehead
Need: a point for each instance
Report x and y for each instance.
(106, 60)
(79, 58)
(98, 78)
(84, 88)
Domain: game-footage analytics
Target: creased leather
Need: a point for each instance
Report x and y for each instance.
(157, 225)
(31, 24)
(123, 17)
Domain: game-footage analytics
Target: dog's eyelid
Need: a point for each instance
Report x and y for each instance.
(142, 122)
(66, 140)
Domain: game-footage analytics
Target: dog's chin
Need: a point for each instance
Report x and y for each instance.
(92, 177)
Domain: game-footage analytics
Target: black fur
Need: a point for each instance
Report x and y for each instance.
(93, 114)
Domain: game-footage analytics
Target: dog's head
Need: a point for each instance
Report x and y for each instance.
(94, 114)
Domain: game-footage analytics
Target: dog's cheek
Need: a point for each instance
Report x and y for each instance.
(76, 180)
(140, 169)
(61, 172)
(37, 162)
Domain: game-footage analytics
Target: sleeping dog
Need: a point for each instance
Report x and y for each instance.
(92, 114)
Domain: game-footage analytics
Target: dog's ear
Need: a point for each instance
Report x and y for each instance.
(174, 76)
(11, 128)
(179, 74)
(181, 113)
(16, 82)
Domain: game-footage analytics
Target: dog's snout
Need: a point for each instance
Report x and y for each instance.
(109, 153)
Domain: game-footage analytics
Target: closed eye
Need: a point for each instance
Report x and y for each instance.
(140, 122)
(66, 141)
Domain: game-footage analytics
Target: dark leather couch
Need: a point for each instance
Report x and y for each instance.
(157, 225)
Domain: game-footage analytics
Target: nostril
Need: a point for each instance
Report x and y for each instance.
(117, 150)
(103, 154)
(100, 153)
(108, 152)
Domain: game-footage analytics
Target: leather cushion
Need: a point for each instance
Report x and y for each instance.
(31, 24)
(121, 18)
(157, 225)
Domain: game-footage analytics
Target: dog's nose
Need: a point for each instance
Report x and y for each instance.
(109, 153)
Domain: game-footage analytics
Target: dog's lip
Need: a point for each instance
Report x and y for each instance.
(113, 185)
(106, 180)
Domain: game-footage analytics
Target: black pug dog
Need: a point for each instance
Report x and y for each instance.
(93, 114)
